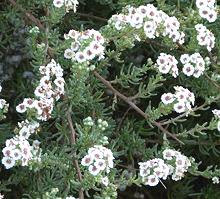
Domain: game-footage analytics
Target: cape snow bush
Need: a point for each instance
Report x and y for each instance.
(110, 99)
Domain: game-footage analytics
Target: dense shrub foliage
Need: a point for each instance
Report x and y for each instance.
(109, 99)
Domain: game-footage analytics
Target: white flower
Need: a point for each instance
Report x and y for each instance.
(150, 29)
(96, 154)
(69, 54)
(70, 197)
(87, 160)
(164, 68)
(89, 53)
(58, 3)
(205, 37)
(152, 170)
(8, 162)
(167, 98)
(158, 172)
(94, 170)
(212, 16)
(28, 102)
(16, 154)
(144, 171)
(193, 64)
(201, 3)
(180, 161)
(179, 107)
(185, 58)
(142, 10)
(100, 164)
(86, 46)
(96, 48)
(204, 12)
(21, 108)
(207, 9)
(99, 159)
(184, 99)
(188, 69)
(105, 181)
(168, 154)
(177, 164)
(75, 46)
(80, 57)
(167, 63)
(7, 151)
(152, 180)
(136, 20)
(24, 132)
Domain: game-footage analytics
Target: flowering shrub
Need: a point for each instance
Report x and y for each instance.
(110, 99)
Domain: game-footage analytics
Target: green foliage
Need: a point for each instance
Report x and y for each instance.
(128, 99)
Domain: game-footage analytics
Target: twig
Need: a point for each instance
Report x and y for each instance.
(36, 21)
(73, 142)
(213, 82)
(172, 120)
(137, 109)
(122, 120)
(91, 16)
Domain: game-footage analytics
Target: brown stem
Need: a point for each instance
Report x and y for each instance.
(137, 109)
(182, 115)
(36, 21)
(122, 120)
(73, 142)
(213, 82)
(91, 16)
(193, 110)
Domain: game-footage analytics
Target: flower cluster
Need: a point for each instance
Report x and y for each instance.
(207, 9)
(215, 180)
(69, 4)
(98, 160)
(182, 99)
(167, 63)
(18, 150)
(217, 115)
(152, 170)
(177, 163)
(3, 106)
(205, 37)
(102, 124)
(1, 196)
(34, 30)
(173, 163)
(50, 88)
(84, 46)
(193, 65)
(88, 121)
(152, 21)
